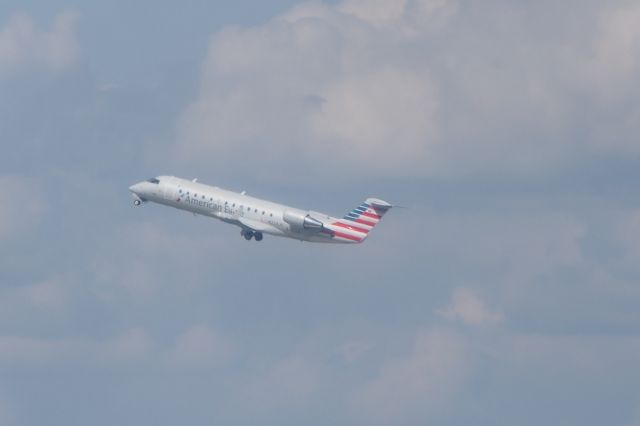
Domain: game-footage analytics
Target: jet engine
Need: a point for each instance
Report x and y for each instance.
(298, 219)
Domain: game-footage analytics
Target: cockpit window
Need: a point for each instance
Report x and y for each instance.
(153, 180)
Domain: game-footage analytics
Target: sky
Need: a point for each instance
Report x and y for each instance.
(504, 291)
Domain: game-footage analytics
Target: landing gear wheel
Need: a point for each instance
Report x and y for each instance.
(258, 236)
(136, 202)
(247, 235)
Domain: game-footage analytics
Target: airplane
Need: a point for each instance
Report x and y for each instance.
(257, 217)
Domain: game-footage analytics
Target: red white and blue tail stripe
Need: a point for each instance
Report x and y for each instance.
(355, 226)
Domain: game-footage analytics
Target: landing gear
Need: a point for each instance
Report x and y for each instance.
(136, 202)
(248, 234)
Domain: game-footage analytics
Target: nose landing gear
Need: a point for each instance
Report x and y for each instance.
(136, 199)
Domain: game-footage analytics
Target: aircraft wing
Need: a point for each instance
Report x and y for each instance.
(255, 225)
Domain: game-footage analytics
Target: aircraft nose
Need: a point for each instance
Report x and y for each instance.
(135, 187)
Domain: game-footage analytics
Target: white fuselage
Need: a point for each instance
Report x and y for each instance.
(253, 215)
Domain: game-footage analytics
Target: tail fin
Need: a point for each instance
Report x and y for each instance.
(356, 224)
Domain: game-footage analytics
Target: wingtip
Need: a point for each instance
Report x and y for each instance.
(381, 204)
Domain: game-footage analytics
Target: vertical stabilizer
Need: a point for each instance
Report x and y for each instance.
(356, 225)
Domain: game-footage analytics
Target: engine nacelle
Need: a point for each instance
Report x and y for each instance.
(299, 220)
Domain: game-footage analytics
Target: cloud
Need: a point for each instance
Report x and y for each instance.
(196, 348)
(24, 45)
(50, 296)
(6, 415)
(407, 17)
(315, 86)
(21, 205)
(47, 293)
(636, 416)
(583, 353)
(616, 49)
(627, 235)
(319, 368)
(417, 385)
(289, 383)
(200, 346)
(351, 122)
(391, 88)
(470, 309)
(121, 268)
(522, 244)
(353, 350)
(131, 345)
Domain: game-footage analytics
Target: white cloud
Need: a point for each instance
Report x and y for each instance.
(470, 309)
(353, 350)
(521, 244)
(47, 293)
(407, 17)
(380, 13)
(636, 416)
(317, 85)
(313, 371)
(6, 414)
(625, 235)
(616, 60)
(130, 278)
(131, 345)
(121, 268)
(291, 381)
(21, 205)
(23, 44)
(360, 115)
(416, 385)
(370, 87)
(200, 346)
(197, 347)
(583, 353)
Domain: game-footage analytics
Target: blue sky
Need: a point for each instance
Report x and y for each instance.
(506, 291)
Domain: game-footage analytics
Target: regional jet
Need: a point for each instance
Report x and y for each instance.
(257, 217)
